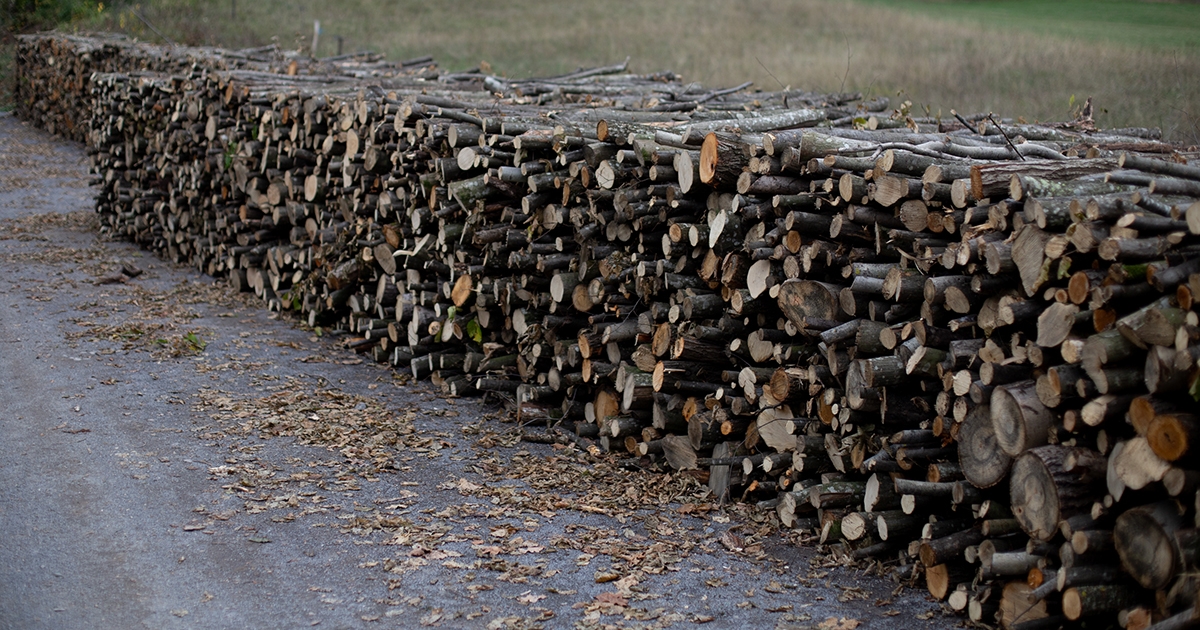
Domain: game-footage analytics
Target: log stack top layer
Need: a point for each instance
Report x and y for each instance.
(966, 345)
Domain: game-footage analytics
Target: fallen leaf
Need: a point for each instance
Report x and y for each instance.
(615, 599)
(625, 585)
(606, 576)
(834, 623)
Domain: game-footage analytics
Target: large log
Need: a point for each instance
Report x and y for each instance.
(1145, 541)
(1043, 492)
(805, 300)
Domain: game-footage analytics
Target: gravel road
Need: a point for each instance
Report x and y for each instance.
(175, 457)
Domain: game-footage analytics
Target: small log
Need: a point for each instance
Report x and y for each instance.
(1084, 575)
(1093, 541)
(1020, 609)
(1019, 418)
(941, 579)
(1088, 601)
(880, 494)
(1055, 324)
(679, 452)
(1028, 254)
(1017, 562)
(1166, 370)
(1171, 435)
(896, 525)
(1188, 618)
(1133, 465)
(948, 548)
(719, 476)
(837, 494)
(722, 159)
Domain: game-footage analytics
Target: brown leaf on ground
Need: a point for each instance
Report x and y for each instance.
(833, 623)
(607, 576)
(615, 599)
(530, 598)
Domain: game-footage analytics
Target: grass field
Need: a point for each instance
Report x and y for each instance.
(1155, 25)
(6, 78)
(1019, 58)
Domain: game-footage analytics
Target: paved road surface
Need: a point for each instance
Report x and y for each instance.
(174, 457)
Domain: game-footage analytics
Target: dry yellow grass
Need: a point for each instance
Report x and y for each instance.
(806, 44)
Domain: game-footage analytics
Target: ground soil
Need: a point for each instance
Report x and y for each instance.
(174, 456)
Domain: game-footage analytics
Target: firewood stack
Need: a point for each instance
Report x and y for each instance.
(53, 88)
(970, 344)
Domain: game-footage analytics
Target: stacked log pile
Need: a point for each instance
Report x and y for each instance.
(969, 344)
(54, 89)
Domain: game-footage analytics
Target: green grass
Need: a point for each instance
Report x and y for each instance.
(6, 76)
(1135, 23)
(17, 16)
(1018, 58)
(25, 15)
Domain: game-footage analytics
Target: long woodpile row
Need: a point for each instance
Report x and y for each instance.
(56, 92)
(968, 344)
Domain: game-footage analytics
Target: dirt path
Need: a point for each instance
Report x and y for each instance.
(174, 457)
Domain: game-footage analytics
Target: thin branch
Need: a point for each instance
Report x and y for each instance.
(139, 16)
(768, 71)
(683, 106)
(964, 121)
(1006, 138)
